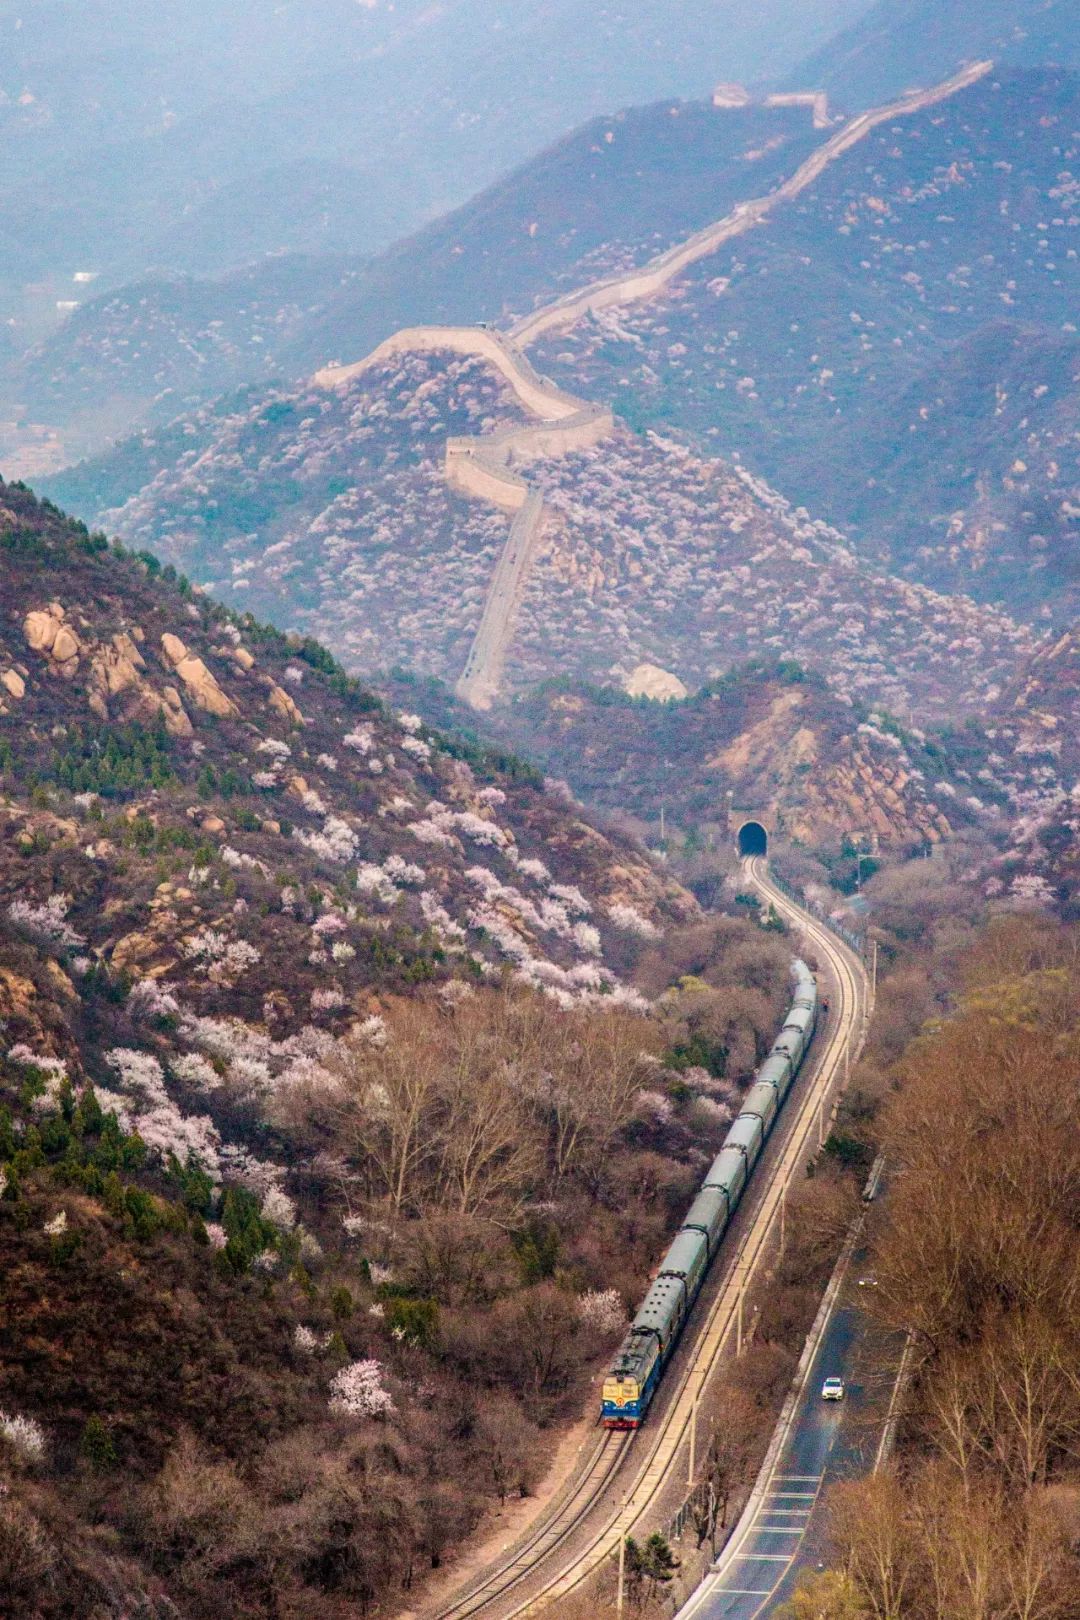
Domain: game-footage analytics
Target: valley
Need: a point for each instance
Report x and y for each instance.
(502, 642)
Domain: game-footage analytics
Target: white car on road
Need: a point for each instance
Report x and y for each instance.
(832, 1389)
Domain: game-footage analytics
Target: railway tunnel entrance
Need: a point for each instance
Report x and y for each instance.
(753, 839)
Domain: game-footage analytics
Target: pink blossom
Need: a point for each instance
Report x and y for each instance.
(631, 921)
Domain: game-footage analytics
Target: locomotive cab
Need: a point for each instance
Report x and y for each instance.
(621, 1402)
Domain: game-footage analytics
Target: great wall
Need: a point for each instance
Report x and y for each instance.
(486, 468)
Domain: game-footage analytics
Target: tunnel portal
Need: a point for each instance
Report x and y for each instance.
(753, 839)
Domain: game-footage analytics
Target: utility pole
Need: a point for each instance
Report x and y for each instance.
(693, 1442)
(783, 1218)
(821, 1120)
(873, 972)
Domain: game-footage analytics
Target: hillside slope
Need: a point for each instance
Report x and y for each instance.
(333, 1092)
(612, 194)
(927, 279)
(328, 510)
(898, 43)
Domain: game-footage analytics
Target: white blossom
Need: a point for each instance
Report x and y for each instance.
(218, 958)
(46, 924)
(24, 1435)
(336, 842)
(572, 898)
(279, 1208)
(329, 1000)
(603, 1310)
(357, 1390)
(631, 921)
(150, 998)
(654, 1107)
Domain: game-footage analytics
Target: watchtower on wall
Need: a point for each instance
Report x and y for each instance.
(731, 95)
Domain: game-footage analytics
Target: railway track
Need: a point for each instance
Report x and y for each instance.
(618, 1488)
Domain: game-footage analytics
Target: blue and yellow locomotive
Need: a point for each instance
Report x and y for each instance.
(654, 1332)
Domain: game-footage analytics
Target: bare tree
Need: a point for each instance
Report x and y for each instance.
(868, 1523)
(391, 1096)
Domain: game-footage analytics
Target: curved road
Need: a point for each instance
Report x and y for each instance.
(627, 1483)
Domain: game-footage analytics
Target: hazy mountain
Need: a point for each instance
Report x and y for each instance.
(215, 133)
(899, 43)
(897, 349)
(613, 193)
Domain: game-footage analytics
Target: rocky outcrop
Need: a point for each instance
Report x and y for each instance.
(117, 683)
(113, 670)
(47, 631)
(40, 627)
(282, 704)
(201, 685)
(649, 680)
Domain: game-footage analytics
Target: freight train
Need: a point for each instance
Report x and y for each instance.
(637, 1369)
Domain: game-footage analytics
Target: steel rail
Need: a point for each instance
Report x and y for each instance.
(666, 1438)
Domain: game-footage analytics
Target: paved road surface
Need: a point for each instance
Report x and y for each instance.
(829, 1441)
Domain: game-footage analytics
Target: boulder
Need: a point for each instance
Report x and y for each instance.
(14, 683)
(40, 631)
(113, 671)
(137, 950)
(173, 650)
(66, 645)
(177, 723)
(649, 680)
(283, 705)
(242, 657)
(202, 687)
(126, 647)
